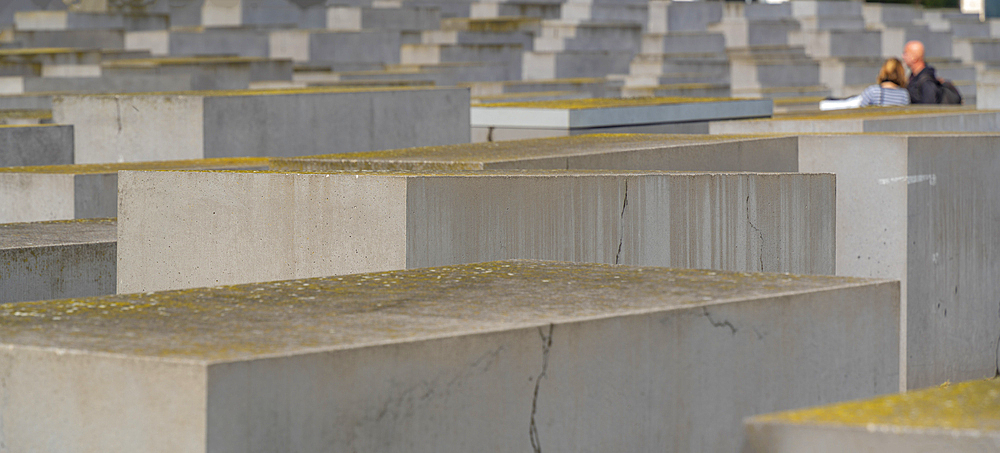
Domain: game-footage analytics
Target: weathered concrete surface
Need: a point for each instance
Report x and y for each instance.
(206, 72)
(189, 229)
(883, 119)
(912, 207)
(216, 124)
(36, 145)
(681, 152)
(65, 192)
(501, 356)
(560, 118)
(55, 260)
(962, 417)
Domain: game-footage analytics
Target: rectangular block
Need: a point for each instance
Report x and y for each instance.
(46, 144)
(556, 118)
(573, 63)
(207, 73)
(501, 356)
(56, 260)
(326, 47)
(884, 119)
(72, 20)
(65, 192)
(911, 207)
(680, 152)
(959, 418)
(189, 229)
(196, 125)
(53, 86)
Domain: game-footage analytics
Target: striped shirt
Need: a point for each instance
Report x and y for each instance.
(877, 95)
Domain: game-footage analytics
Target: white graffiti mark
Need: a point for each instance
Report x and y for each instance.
(910, 179)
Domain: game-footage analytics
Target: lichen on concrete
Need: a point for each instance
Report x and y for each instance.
(973, 405)
(297, 316)
(596, 103)
(474, 156)
(191, 164)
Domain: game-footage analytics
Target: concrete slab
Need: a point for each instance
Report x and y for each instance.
(506, 9)
(559, 36)
(56, 260)
(959, 417)
(403, 18)
(198, 41)
(210, 124)
(559, 118)
(47, 144)
(503, 356)
(9, 8)
(682, 152)
(881, 119)
(574, 63)
(689, 16)
(752, 72)
(88, 39)
(25, 117)
(897, 217)
(325, 47)
(103, 84)
(65, 192)
(73, 20)
(839, 43)
(210, 227)
(207, 73)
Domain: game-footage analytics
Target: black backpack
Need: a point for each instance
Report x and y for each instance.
(947, 93)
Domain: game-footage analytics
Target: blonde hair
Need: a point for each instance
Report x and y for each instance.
(892, 71)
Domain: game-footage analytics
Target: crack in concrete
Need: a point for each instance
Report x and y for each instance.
(724, 323)
(621, 226)
(536, 443)
(760, 253)
(118, 107)
(406, 401)
(997, 362)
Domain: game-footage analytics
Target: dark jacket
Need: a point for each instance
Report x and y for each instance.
(923, 87)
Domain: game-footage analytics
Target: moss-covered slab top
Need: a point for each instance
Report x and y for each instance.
(475, 156)
(173, 61)
(612, 112)
(192, 164)
(58, 232)
(299, 316)
(491, 25)
(973, 405)
(599, 103)
(42, 51)
(874, 113)
(26, 114)
(266, 92)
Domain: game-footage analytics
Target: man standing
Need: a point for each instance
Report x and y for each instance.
(923, 82)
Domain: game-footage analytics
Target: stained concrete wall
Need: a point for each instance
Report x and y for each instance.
(567, 357)
(65, 192)
(909, 207)
(867, 120)
(36, 145)
(189, 229)
(55, 260)
(129, 128)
